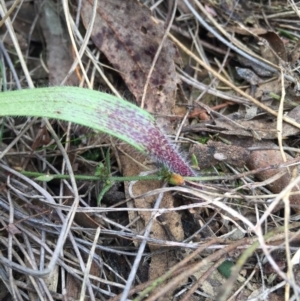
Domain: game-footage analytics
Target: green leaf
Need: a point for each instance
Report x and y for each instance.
(225, 268)
(99, 111)
(194, 160)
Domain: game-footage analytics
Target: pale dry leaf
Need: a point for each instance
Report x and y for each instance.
(264, 128)
(12, 229)
(246, 31)
(265, 88)
(289, 130)
(59, 54)
(259, 128)
(295, 54)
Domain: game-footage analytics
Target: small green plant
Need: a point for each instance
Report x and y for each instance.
(104, 172)
(99, 111)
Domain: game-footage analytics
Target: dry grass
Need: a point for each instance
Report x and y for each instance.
(56, 244)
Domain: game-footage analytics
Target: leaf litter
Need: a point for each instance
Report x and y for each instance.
(247, 159)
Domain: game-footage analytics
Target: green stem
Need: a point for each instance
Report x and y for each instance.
(90, 178)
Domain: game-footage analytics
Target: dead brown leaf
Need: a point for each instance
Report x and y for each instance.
(215, 152)
(129, 38)
(274, 49)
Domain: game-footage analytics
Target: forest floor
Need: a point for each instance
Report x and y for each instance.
(222, 82)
